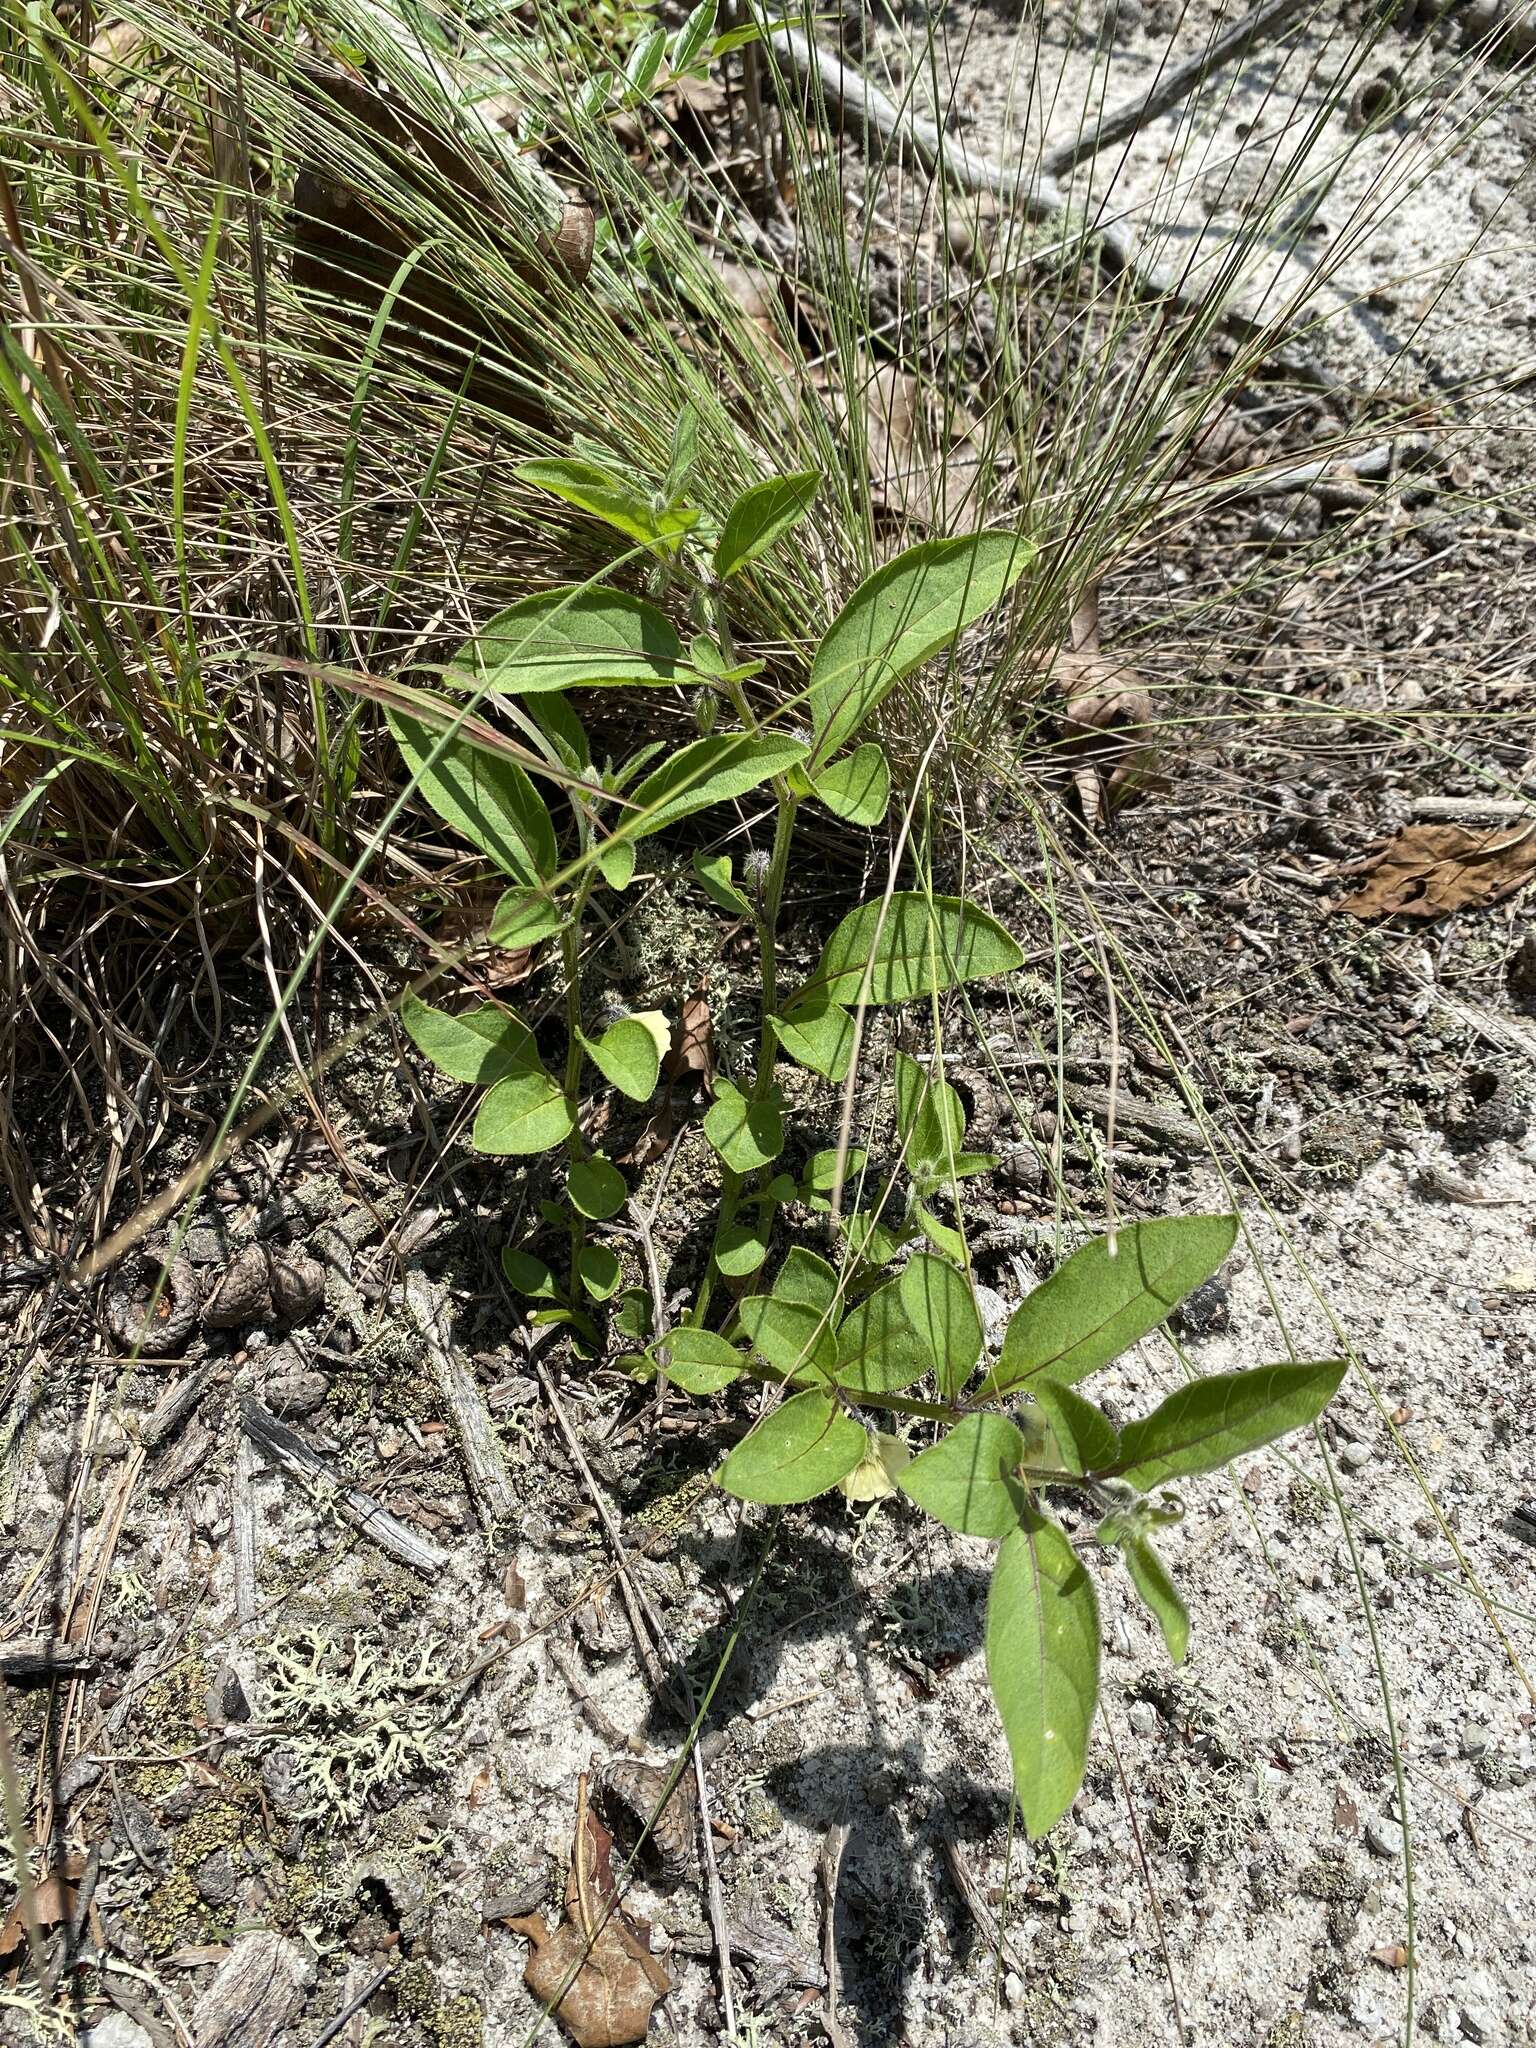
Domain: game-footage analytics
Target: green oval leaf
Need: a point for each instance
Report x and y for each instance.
(707, 771)
(615, 862)
(481, 1045)
(878, 1351)
(930, 1120)
(614, 499)
(1158, 1593)
(689, 43)
(598, 1269)
(943, 1239)
(1043, 1664)
(819, 1034)
(910, 947)
(762, 512)
(798, 1450)
(714, 876)
(483, 795)
(596, 1188)
(1094, 1306)
(523, 918)
(796, 1338)
(528, 1275)
(966, 1480)
(806, 1276)
(572, 639)
(1216, 1419)
(942, 1310)
(899, 618)
(645, 61)
(698, 1361)
(746, 1134)
(741, 1248)
(858, 787)
(628, 1055)
(527, 1112)
(1084, 1437)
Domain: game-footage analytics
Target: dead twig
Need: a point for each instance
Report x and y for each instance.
(828, 1866)
(175, 1405)
(648, 1625)
(1327, 473)
(290, 1450)
(484, 1464)
(990, 1928)
(354, 2004)
(1439, 808)
(1030, 187)
(1171, 87)
(37, 1660)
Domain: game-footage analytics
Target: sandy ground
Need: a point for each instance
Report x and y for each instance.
(1358, 1703)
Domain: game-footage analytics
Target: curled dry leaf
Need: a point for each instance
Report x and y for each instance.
(924, 461)
(593, 1972)
(693, 1045)
(47, 1904)
(1430, 870)
(1106, 726)
(923, 458)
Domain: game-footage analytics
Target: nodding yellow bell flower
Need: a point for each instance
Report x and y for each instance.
(874, 1476)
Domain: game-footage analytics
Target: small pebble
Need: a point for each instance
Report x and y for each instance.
(1381, 1840)
(1354, 1456)
(1475, 1740)
(1142, 1717)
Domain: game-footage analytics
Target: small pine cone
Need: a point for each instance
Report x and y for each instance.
(298, 1285)
(149, 1323)
(243, 1293)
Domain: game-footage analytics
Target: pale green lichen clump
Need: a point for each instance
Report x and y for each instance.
(356, 1716)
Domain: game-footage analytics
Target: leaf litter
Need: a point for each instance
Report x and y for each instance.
(1428, 871)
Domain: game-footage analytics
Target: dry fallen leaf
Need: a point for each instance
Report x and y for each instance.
(693, 1044)
(48, 1905)
(1430, 870)
(1107, 714)
(923, 460)
(1346, 1815)
(594, 1973)
(616, 1984)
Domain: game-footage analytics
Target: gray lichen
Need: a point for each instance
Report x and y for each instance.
(356, 1716)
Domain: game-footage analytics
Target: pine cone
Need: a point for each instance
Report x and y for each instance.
(298, 1285)
(243, 1293)
(149, 1321)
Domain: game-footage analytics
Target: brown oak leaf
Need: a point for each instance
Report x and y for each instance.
(1428, 871)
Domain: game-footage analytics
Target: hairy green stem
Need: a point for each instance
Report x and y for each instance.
(570, 961)
(770, 898)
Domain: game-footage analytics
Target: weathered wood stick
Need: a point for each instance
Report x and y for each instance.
(290, 1450)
